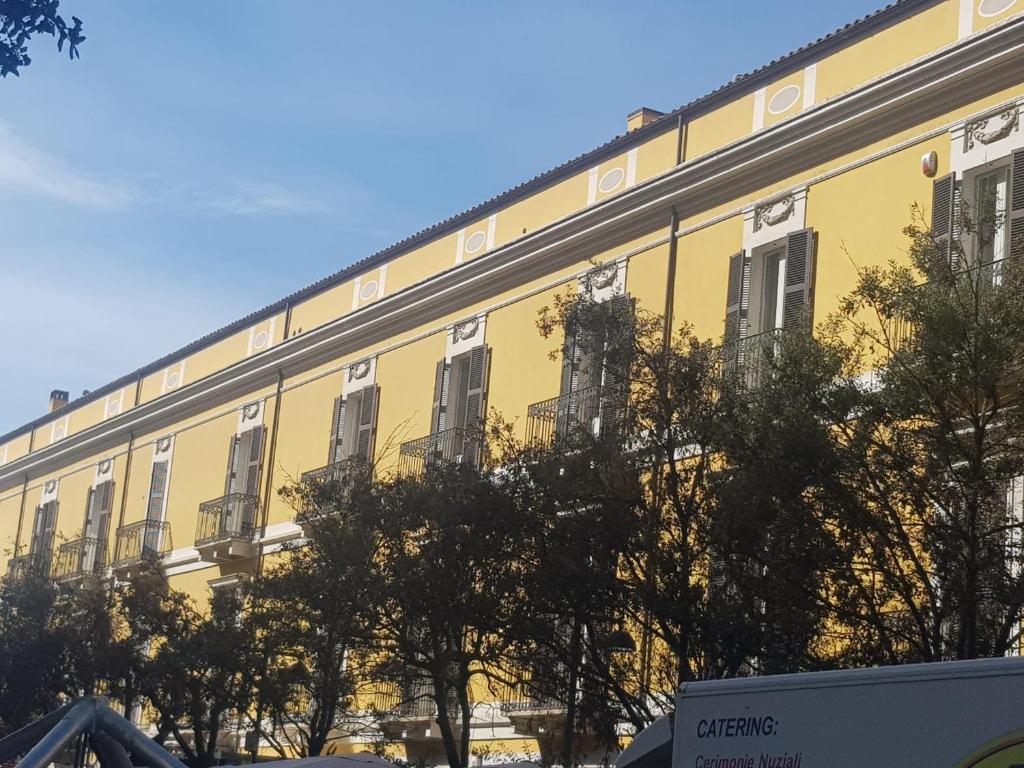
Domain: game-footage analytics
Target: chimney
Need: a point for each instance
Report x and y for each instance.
(58, 399)
(640, 117)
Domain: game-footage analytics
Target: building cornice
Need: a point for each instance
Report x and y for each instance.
(933, 85)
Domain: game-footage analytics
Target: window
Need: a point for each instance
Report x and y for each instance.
(353, 425)
(243, 477)
(43, 527)
(770, 289)
(591, 391)
(459, 391)
(994, 196)
(155, 506)
(97, 524)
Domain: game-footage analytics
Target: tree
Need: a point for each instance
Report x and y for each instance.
(447, 582)
(309, 613)
(21, 19)
(30, 684)
(939, 573)
(194, 667)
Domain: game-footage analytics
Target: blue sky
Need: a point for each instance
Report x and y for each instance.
(203, 159)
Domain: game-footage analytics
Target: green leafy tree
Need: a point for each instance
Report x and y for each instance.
(20, 20)
(309, 614)
(938, 454)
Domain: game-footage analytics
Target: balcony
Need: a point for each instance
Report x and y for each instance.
(326, 488)
(81, 562)
(748, 362)
(531, 712)
(457, 445)
(590, 412)
(226, 528)
(136, 543)
(410, 712)
(34, 564)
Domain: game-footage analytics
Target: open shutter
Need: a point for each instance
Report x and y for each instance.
(157, 491)
(944, 191)
(796, 308)
(572, 356)
(231, 482)
(337, 452)
(1016, 224)
(476, 383)
(614, 391)
(737, 300)
(367, 422)
(253, 458)
(38, 528)
(439, 415)
(475, 400)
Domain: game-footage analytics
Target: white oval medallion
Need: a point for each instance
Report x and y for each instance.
(172, 380)
(611, 180)
(261, 340)
(988, 8)
(113, 408)
(784, 99)
(368, 291)
(476, 241)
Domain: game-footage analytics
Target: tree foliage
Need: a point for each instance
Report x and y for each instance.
(20, 20)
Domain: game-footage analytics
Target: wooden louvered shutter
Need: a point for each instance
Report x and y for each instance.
(49, 527)
(157, 491)
(367, 422)
(475, 400)
(253, 459)
(38, 530)
(1016, 218)
(439, 415)
(737, 299)
(796, 307)
(615, 385)
(98, 514)
(572, 356)
(476, 383)
(234, 465)
(944, 191)
(337, 452)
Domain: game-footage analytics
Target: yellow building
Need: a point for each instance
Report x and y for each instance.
(740, 209)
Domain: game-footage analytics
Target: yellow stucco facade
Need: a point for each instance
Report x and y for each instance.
(828, 139)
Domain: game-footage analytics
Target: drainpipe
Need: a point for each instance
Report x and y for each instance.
(21, 516)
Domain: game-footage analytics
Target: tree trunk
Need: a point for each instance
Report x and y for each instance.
(569, 731)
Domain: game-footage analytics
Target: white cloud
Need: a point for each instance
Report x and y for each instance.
(26, 169)
(251, 199)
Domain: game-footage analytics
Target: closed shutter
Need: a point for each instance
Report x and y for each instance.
(42, 535)
(1017, 207)
(796, 308)
(157, 491)
(439, 415)
(737, 298)
(944, 191)
(337, 452)
(367, 422)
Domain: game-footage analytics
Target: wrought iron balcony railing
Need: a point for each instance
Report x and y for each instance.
(81, 558)
(527, 695)
(32, 564)
(136, 542)
(228, 517)
(327, 487)
(748, 361)
(457, 445)
(413, 700)
(593, 411)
